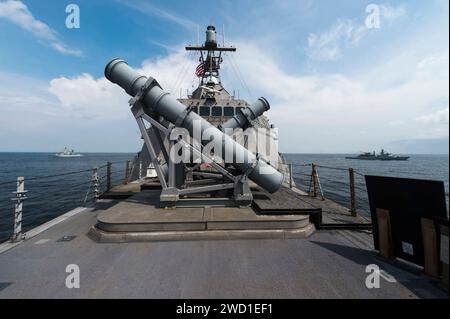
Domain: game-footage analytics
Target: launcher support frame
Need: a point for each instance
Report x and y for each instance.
(173, 194)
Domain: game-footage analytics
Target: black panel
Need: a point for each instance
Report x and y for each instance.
(205, 110)
(216, 111)
(407, 200)
(228, 111)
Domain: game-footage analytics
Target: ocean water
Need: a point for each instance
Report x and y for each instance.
(49, 197)
(334, 175)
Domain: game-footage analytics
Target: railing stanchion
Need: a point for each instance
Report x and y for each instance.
(20, 197)
(314, 179)
(127, 173)
(351, 173)
(95, 183)
(290, 176)
(108, 175)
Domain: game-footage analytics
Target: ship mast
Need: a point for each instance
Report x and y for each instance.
(210, 56)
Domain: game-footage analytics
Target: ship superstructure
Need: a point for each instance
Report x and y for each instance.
(211, 100)
(214, 105)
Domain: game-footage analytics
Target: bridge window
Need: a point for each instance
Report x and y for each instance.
(238, 109)
(195, 109)
(216, 111)
(228, 111)
(204, 110)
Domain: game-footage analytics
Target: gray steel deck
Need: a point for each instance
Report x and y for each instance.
(329, 264)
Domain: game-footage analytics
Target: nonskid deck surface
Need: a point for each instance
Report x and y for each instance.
(328, 264)
(295, 201)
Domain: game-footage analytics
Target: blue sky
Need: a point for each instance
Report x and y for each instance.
(334, 85)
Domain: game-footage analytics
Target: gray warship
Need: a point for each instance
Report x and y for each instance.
(208, 229)
(382, 156)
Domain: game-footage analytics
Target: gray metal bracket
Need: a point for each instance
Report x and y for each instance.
(242, 193)
(214, 164)
(182, 116)
(151, 82)
(152, 152)
(170, 193)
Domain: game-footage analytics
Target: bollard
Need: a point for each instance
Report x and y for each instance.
(108, 176)
(290, 176)
(127, 173)
(351, 173)
(20, 197)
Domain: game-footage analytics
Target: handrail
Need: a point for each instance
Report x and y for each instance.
(355, 187)
(95, 187)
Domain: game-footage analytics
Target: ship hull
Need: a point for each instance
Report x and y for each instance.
(62, 155)
(403, 158)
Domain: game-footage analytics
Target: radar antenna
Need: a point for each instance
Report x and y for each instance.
(210, 56)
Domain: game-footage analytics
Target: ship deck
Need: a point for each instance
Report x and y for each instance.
(327, 264)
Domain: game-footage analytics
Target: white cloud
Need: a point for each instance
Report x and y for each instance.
(440, 60)
(328, 45)
(33, 119)
(391, 13)
(85, 96)
(18, 13)
(62, 48)
(339, 110)
(173, 71)
(24, 113)
(437, 117)
(152, 10)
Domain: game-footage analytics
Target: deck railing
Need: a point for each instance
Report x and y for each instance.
(345, 186)
(37, 199)
(33, 204)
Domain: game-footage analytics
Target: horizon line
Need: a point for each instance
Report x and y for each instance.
(284, 153)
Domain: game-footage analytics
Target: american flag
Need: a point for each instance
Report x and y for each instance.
(200, 70)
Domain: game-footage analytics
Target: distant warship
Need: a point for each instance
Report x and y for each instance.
(383, 156)
(68, 153)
